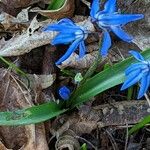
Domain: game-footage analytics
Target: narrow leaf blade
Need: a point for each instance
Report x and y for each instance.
(31, 115)
(141, 124)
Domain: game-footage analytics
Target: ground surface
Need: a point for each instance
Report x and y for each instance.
(101, 123)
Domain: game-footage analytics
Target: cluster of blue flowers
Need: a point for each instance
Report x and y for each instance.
(138, 72)
(108, 20)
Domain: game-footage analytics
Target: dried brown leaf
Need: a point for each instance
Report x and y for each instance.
(142, 41)
(44, 81)
(11, 23)
(140, 29)
(83, 63)
(66, 10)
(116, 114)
(2, 146)
(68, 141)
(13, 7)
(14, 95)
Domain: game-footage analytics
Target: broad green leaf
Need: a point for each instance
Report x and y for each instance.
(56, 4)
(140, 125)
(102, 81)
(31, 115)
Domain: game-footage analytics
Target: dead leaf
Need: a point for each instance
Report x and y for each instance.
(13, 7)
(142, 41)
(142, 33)
(19, 3)
(24, 43)
(23, 16)
(14, 95)
(142, 37)
(114, 114)
(92, 47)
(44, 81)
(2, 147)
(68, 141)
(83, 63)
(36, 138)
(66, 10)
(34, 25)
(11, 23)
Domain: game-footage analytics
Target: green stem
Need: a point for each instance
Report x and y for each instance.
(11, 65)
(130, 93)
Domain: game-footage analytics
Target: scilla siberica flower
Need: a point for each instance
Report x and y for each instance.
(138, 72)
(64, 93)
(69, 32)
(108, 20)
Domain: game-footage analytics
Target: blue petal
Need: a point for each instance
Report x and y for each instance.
(95, 8)
(64, 93)
(61, 28)
(106, 44)
(121, 34)
(119, 19)
(137, 55)
(134, 67)
(63, 39)
(66, 21)
(110, 6)
(145, 82)
(134, 77)
(82, 49)
(61, 23)
(71, 49)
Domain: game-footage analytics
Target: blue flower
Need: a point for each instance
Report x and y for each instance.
(69, 32)
(138, 72)
(108, 20)
(64, 93)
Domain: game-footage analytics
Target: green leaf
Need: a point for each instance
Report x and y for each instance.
(13, 66)
(140, 125)
(56, 4)
(68, 72)
(31, 115)
(83, 147)
(104, 80)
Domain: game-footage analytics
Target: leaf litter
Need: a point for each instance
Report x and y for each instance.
(21, 24)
